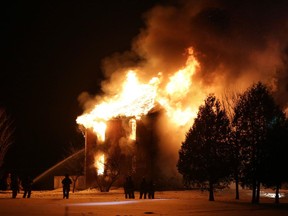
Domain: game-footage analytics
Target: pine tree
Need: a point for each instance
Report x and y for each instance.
(276, 150)
(205, 153)
(254, 111)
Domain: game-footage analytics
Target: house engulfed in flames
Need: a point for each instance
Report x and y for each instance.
(125, 125)
(129, 142)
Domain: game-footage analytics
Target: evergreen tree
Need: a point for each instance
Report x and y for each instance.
(254, 111)
(229, 100)
(205, 153)
(276, 153)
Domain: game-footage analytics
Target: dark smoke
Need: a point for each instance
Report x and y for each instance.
(236, 42)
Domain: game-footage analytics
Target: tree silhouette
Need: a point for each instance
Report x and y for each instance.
(254, 110)
(276, 153)
(204, 156)
(7, 130)
(229, 100)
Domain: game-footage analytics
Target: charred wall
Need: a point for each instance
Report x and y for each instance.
(147, 147)
(90, 149)
(119, 147)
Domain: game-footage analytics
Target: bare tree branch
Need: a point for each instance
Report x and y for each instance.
(7, 130)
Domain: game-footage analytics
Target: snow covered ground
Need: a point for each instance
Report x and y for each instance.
(93, 202)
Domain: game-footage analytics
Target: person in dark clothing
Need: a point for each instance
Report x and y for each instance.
(126, 187)
(27, 186)
(151, 190)
(66, 182)
(143, 189)
(14, 185)
(130, 188)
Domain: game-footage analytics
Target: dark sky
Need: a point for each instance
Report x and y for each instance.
(51, 52)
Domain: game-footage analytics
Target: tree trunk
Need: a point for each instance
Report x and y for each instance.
(74, 183)
(211, 192)
(253, 192)
(237, 187)
(258, 192)
(277, 193)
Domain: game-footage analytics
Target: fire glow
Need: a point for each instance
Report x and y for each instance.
(99, 163)
(136, 98)
(132, 124)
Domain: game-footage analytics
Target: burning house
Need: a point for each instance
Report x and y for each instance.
(122, 130)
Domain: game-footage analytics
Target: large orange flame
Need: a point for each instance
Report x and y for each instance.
(137, 99)
(176, 91)
(134, 100)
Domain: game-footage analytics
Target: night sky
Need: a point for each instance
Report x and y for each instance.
(51, 52)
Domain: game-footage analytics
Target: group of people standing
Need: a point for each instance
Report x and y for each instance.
(146, 189)
(14, 183)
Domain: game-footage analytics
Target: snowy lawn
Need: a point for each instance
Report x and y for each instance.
(92, 202)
